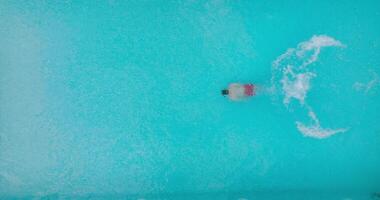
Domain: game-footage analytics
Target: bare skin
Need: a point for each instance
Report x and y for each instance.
(236, 92)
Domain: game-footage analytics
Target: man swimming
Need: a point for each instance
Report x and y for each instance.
(238, 92)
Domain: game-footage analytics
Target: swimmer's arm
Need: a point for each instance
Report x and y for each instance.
(234, 85)
(235, 95)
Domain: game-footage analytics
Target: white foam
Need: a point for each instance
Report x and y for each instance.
(319, 41)
(315, 44)
(291, 72)
(278, 60)
(295, 77)
(315, 130)
(366, 87)
(296, 85)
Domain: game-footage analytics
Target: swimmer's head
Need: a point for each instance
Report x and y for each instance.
(224, 92)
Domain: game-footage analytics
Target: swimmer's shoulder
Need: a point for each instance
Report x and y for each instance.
(235, 85)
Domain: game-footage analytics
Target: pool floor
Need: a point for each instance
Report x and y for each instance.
(122, 99)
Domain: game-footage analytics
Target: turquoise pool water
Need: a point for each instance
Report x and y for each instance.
(121, 99)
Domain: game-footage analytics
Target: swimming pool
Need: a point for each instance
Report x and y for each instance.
(121, 99)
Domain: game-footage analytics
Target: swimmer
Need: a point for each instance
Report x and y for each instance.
(238, 92)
